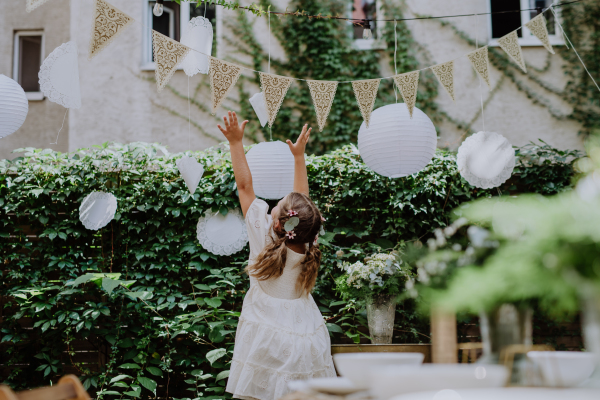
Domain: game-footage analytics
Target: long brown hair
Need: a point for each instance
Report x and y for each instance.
(271, 261)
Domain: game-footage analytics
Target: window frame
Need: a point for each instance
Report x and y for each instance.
(373, 43)
(32, 96)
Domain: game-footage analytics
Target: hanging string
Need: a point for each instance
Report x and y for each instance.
(205, 7)
(480, 84)
(189, 118)
(61, 127)
(395, 50)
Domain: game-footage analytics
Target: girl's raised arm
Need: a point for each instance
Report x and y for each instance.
(243, 178)
(300, 175)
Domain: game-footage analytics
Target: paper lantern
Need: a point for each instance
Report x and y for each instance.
(222, 235)
(198, 36)
(272, 168)
(486, 160)
(97, 210)
(394, 145)
(13, 106)
(191, 171)
(260, 107)
(59, 76)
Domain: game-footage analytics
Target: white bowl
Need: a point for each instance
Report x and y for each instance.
(393, 381)
(356, 366)
(564, 368)
(505, 394)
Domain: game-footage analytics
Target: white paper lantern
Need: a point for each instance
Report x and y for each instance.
(394, 145)
(13, 106)
(198, 36)
(59, 76)
(222, 235)
(260, 107)
(97, 210)
(486, 160)
(191, 171)
(272, 168)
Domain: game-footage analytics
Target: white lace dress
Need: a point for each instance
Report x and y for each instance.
(281, 335)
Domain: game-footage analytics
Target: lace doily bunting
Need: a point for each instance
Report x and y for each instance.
(537, 26)
(97, 209)
(222, 235)
(409, 85)
(168, 54)
(445, 74)
(33, 4)
(198, 36)
(223, 76)
(366, 92)
(510, 44)
(322, 93)
(486, 160)
(480, 61)
(275, 88)
(191, 171)
(59, 76)
(260, 108)
(109, 22)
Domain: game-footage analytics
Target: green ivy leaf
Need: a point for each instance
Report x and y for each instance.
(120, 378)
(155, 371)
(130, 366)
(222, 375)
(214, 355)
(148, 383)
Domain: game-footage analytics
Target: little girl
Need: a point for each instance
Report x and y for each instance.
(281, 335)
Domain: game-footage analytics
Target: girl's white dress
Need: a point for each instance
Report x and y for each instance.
(281, 335)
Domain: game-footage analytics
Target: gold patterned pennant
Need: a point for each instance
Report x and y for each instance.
(366, 93)
(409, 85)
(275, 88)
(481, 63)
(445, 74)
(223, 77)
(322, 93)
(33, 4)
(510, 44)
(168, 54)
(109, 22)
(537, 26)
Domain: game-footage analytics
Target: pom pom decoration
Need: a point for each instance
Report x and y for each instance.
(260, 108)
(222, 235)
(191, 171)
(198, 36)
(486, 160)
(59, 76)
(272, 168)
(97, 209)
(13, 106)
(394, 145)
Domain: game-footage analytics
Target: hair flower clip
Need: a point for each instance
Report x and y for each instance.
(323, 219)
(292, 213)
(290, 234)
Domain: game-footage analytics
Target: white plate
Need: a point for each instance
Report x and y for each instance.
(564, 368)
(339, 386)
(505, 394)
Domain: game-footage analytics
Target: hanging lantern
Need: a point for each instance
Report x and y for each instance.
(13, 106)
(222, 235)
(272, 168)
(260, 107)
(394, 145)
(97, 210)
(198, 36)
(191, 171)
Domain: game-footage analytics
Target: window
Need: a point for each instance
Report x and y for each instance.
(367, 9)
(27, 59)
(504, 23)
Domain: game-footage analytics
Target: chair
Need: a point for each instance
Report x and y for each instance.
(68, 388)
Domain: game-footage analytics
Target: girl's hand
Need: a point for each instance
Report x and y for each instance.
(300, 145)
(233, 132)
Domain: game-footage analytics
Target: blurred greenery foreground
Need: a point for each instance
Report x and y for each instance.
(140, 309)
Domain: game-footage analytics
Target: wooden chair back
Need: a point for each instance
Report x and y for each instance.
(68, 388)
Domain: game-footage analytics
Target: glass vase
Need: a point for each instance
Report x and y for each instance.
(590, 320)
(381, 310)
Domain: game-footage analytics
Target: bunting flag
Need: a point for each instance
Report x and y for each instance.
(481, 63)
(510, 44)
(223, 77)
(168, 54)
(33, 4)
(409, 85)
(537, 26)
(322, 93)
(366, 93)
(445, 74)
(109, 22)
(275, 88)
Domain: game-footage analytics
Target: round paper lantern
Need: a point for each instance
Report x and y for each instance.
(198, 36)
(222, 235)
(486, 160)
(272, 168)
(13, 106)
(97, 210)
(396, 145)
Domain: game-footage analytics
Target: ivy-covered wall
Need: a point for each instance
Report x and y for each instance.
(171, 332)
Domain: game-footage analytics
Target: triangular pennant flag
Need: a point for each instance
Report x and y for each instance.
(223, 77)
(168, 54)
(275, 88)
(445, 74)
(481, 63)
(408, 84)
(33, 4)
(322, 93)
(510, 44)
(537, 26)
(366, 93)
(108, 23)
